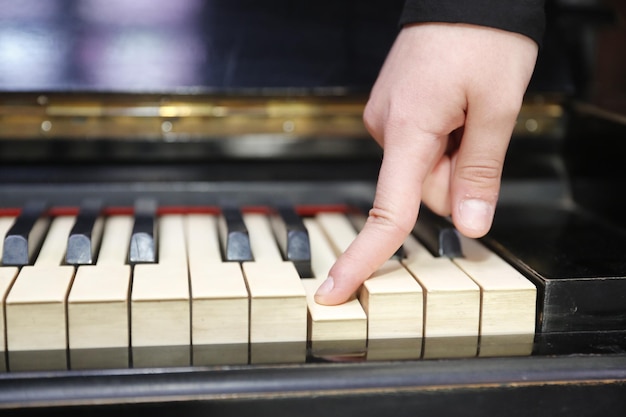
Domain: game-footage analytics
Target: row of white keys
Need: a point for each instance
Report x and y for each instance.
(219, 309)
(160, 320)
(7, 275)
(476, 304)
(98, 310)
(391, 298)
(508, 301)
(278, 307)
(98, 305)
(451, 303)
(332, 330)
(35, 306)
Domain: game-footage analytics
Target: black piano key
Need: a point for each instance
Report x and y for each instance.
(437, 234)
(85, 235)
(25, 237)
(234, 236)
(293, 239)
(143, 240)
(358, 220)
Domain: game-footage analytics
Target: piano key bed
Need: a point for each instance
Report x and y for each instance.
(214, 306)
(102, 287)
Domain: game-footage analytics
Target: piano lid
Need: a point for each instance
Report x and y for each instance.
(191, 45)
(194, 46)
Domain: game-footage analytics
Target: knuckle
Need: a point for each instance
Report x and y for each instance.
(481, 174)
(371, 118)
(509, 109)
(506, 107)
(390, 222)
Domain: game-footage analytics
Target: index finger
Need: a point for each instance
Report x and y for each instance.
(407, 161)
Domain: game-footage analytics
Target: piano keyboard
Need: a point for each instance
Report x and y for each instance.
(156, 287)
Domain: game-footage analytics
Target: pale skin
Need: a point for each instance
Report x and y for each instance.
(443, 109)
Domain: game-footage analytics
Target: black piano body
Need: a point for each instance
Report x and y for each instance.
(196, 103)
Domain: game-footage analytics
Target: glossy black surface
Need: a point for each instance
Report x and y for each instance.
(194, 45)
(143, 240)
(293, 239)
(83, 239)
(437, 234)
(191, 45)
(561, 243)
(576, 260)
(19, 245)
(234, 235)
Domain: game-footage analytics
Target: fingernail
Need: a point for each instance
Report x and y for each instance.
(475, 214)
(326, 287)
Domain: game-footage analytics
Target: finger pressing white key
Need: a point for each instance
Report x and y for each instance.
(332, 330)
(391, 297)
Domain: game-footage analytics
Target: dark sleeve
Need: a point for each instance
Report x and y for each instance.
(522, 16)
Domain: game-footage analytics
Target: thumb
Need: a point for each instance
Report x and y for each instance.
(405, 164)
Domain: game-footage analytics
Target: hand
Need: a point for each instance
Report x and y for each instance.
(443, 109)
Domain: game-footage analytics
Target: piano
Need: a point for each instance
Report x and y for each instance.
(176, 178)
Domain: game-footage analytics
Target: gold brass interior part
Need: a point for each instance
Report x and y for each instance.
(194, 117)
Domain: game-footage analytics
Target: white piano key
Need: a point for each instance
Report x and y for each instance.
(36, 306)
(508, 308)
(391, 297)
(52, 251)
(114, 249)
(332, 330)
(451, 301)
(7, 276)
(160, 318)
(278, 308)
(263, 243)
(98, 326)
(219, 303)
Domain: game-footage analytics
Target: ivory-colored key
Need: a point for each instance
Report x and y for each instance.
(36, 306)
(507, 322)
(160, 316)
(219, 303)
(278, 307)
(7, 275)
(97, 305)
(332, 330)
(391, 297)
(451, 302)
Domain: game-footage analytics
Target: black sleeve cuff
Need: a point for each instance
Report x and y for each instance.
(521, 16)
